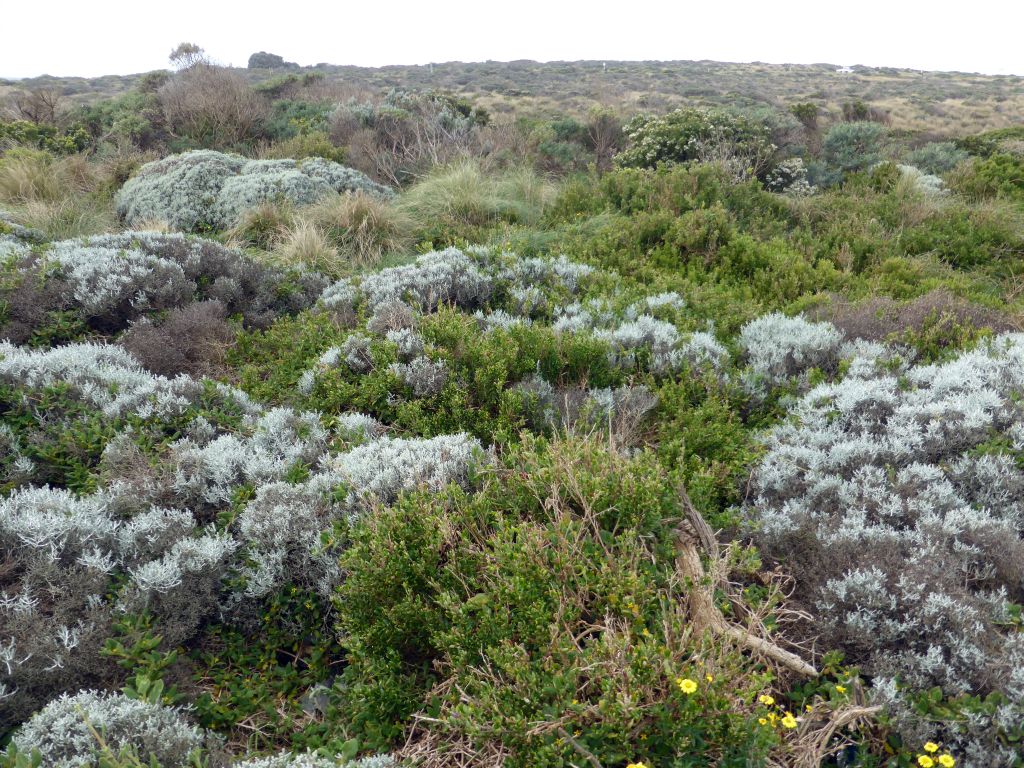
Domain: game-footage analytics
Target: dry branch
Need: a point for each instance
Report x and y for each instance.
(703, 610)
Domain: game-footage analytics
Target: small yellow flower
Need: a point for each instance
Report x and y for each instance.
(766, 699)
(789, 721)
(710, 678)
(931, 746)
(947, 761)
(762, 721)
(686, 685)
(924, 761)
(637, 765)
(808, 707)
(841, 689)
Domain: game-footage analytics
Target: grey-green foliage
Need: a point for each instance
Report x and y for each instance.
(937, 157)
(853, 146)
(207, 190)
(65, 731)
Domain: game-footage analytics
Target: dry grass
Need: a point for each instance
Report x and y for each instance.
(362, 227)
(306, 245)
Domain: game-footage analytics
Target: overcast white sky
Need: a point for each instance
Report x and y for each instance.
(97, 37)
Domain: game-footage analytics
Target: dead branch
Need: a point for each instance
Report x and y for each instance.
(701, 597)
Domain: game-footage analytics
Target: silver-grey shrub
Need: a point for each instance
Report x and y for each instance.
(61, 731)
(895, 499)
(202, 189)
(778, 348)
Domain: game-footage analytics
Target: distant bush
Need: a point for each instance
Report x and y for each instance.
(936, 157)
(854, 146)
(206, 190)
(696, 134)
(24, 133)
(264, 60)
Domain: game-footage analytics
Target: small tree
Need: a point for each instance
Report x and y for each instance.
(604, 134)
(186, 56)
(39, 105)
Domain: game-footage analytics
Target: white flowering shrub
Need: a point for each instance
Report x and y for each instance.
(61, 731)
(894, 497)
(778, 348)
(206, 190)
(790, 177)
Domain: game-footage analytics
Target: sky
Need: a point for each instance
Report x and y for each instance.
(101, 37)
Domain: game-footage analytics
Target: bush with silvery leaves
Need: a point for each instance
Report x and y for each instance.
(65, 731)
(203, 190)
(894, 498)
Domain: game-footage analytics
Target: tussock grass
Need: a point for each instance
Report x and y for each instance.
(462, 199)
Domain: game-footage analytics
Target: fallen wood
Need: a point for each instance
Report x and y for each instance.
(703, 610)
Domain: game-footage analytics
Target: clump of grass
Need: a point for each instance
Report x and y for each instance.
(305, 244)
(459, 201)
(67, 217)
(364, 228)
(29, 175)
(262, 226)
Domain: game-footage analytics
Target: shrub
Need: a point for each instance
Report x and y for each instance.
(107, 282)
(67, 732)
(854, 146)
(937, 157)
(212, 107)
(191, 340)
(1000, 175)
(690, 134)
(778, 348)
(892, 500)
(471, 605)
(203, 190)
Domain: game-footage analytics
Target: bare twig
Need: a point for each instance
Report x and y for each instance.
(586, 753)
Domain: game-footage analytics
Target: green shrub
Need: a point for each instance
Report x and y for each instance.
(853, 146)
(697, 134)
(25, 133)
(937, 157)
(1000, 175)
(539, 599)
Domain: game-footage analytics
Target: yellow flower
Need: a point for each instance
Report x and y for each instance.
(841, 688)
(924, 761)
(637, 765)
(766, 699)
(762, 721)
(808, 707)
(931, 746)
(686, 685)
(789, 721)
(947, 761)
(710, 678)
